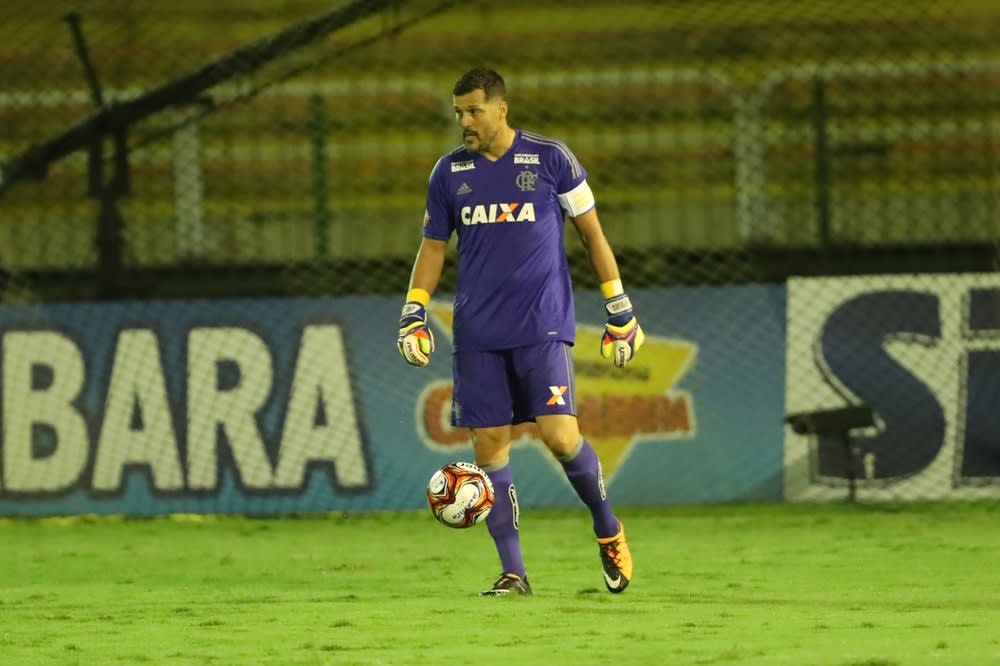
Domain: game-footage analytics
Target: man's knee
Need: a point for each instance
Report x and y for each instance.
(492, 445)
(560, 433)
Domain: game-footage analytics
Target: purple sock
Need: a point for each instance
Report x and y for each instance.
(502, 521)
(584, 471)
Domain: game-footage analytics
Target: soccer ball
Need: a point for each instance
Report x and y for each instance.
(460, 495)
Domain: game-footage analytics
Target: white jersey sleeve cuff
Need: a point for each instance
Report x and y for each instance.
(578, 200)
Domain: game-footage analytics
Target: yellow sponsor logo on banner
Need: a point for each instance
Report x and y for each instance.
(616, 407)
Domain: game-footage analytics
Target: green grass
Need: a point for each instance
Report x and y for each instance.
(778, 584)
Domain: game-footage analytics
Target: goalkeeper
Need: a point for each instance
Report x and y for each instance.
(506, 194)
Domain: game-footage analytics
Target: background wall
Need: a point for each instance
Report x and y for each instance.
(292, 406)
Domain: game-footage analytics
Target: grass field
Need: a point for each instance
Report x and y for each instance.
(842, 585)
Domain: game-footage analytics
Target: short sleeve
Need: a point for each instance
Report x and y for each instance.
(568, 171)
(438, 222)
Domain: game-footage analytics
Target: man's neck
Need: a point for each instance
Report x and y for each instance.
(501, 144)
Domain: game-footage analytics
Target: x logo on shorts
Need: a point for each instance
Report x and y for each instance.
(557, 395)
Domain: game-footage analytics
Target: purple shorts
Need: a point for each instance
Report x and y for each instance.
(510, 386)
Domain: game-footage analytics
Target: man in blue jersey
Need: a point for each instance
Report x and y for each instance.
(505, 193)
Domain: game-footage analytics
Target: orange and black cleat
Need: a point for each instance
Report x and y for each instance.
(616, 558)
(508, 583)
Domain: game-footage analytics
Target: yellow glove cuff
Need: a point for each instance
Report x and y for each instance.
(419, 295)
(612, 288)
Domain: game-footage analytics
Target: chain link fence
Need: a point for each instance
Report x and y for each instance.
(728, 142)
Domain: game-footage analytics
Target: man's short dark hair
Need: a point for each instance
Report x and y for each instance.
(481, 78)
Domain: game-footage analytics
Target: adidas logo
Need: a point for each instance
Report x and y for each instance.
(464, 189)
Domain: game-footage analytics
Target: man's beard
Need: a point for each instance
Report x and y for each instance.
(484, 143)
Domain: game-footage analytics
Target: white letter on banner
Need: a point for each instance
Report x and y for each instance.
(137, 384)
(321, 381)
(234, 409)
(52, 405)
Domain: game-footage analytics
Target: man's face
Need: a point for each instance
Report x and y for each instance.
(480, 119)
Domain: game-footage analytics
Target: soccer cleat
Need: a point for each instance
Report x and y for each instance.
(508, 583)
(616, 557)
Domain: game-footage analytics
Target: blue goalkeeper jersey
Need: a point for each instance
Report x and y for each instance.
(513, 279)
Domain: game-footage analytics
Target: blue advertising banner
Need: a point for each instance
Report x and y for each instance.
(270, 407)
(923, 353)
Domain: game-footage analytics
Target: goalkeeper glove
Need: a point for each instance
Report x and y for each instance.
(622, 334)
(415, 341)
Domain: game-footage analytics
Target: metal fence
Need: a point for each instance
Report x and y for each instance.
(731, 139)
